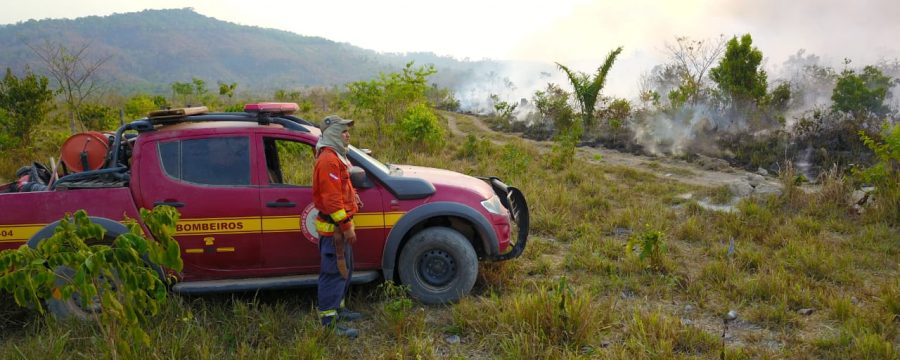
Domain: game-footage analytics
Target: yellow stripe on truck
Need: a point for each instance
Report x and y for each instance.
(231, 225)
(281, 223)
(391, 218)
(19, 233)
(368, 221)
(376, 220)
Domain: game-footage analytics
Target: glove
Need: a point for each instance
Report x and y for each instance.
(349, 234)
(339, 254)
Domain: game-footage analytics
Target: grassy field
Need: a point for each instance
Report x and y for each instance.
(618, 266)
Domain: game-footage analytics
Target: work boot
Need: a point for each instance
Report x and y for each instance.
(344, 314)
(349, 332)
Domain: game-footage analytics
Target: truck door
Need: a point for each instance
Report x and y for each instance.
(285, 194)
(289, 237)
(209, 180)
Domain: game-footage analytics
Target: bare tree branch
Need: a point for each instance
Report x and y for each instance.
(73, 72)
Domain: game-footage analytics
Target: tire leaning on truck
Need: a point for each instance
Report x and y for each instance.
(439, 265)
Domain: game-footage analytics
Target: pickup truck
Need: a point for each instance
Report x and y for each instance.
(242, 183)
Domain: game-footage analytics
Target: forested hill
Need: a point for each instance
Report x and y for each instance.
(153, 48)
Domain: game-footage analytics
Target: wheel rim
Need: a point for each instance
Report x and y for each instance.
(94, 303)
(437, 267)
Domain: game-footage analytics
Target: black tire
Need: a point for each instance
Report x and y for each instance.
(439, 265)
(74, 307)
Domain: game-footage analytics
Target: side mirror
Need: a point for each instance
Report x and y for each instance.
(359, 179)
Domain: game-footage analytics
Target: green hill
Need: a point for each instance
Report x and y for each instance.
(153, 48)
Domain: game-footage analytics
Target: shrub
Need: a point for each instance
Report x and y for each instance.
(650, 244)
(562, 154)
(397, 310)
(98, 117)
(419, 126)
(885, 173)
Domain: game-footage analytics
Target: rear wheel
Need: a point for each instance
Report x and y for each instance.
(76, 306)
(439, 265)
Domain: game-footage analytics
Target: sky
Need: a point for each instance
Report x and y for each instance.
(578, 33)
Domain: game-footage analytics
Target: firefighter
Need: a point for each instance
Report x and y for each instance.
(336, 201)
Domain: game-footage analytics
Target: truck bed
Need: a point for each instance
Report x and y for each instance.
(24, 214)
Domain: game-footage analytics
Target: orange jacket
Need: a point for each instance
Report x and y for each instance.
(333, 194)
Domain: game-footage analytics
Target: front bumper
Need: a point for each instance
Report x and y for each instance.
(514, 202)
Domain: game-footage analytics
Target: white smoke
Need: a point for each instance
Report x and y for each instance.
(512, 82)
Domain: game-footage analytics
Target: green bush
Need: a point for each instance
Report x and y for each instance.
(419, 126)
(474, 149)
(885, 173)
(650, 244)
(98, 117)
(24, 104)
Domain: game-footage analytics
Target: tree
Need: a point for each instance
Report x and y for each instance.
(503, 110)
(781, 96)
(738, 75)
(553, 105)
(442, 98)
(199, 87)
(692, 59)
(24, 104)
(139, 106)
(388, 96)
(227, 89)
(862, 94)
(587, 90)
(182, 90)
(192, 93)
(73, 72)
(98, 117)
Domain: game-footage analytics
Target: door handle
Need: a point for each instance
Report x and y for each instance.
(281, 204)
(171, 203)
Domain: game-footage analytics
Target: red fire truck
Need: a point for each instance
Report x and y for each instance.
(242, 183)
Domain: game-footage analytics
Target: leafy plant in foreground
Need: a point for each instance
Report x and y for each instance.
(397, 307)
(120, 277)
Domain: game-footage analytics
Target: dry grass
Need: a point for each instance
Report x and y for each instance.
(576, 292)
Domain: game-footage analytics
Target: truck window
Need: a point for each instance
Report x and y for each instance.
(289, 162)
(211, 161)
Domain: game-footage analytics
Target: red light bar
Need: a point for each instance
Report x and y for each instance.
(272, 107)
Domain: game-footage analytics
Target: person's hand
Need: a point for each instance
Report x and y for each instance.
(359, 203)
(350, 234)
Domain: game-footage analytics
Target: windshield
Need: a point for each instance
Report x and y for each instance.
(381, 166)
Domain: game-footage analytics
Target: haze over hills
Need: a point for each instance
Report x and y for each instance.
(153, 48)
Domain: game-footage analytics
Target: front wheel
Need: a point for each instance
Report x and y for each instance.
(439, 265)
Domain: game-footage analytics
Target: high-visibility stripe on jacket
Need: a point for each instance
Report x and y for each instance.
(333, 193)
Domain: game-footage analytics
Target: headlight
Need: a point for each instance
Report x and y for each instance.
(493, 205)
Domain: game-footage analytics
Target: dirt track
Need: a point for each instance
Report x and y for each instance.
(677, 170)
